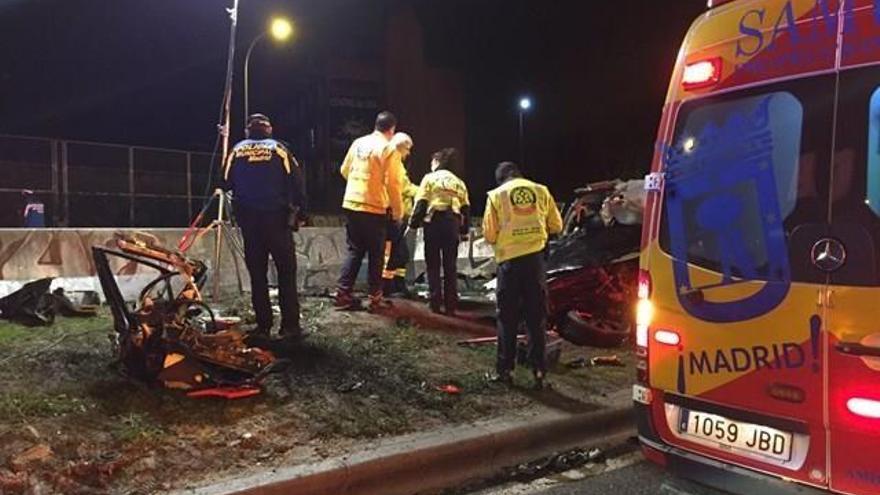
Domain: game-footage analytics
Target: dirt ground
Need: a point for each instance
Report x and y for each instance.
(70, 423)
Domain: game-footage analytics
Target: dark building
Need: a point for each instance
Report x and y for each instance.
(348, 61)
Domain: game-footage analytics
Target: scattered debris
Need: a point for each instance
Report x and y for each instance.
(349, 387)
(165, 338)
(33, 305)
(449, 389)
(583, 362)
(35, 455)
(607, 361)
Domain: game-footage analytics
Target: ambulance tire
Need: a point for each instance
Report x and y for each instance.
(584, 330)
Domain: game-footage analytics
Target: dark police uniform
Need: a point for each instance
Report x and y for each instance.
(267, 187)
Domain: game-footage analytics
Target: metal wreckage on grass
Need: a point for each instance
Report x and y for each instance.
(170, 336)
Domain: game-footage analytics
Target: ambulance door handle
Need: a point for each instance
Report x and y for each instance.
(856, 349)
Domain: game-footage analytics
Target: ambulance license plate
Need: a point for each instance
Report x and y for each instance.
(733, 435)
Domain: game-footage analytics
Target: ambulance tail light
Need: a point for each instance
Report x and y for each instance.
(644, 315)
(866, 408)
(644, 284)
(701, 74)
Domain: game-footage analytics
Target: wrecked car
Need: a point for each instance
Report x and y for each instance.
(592, 268)
(170, 336)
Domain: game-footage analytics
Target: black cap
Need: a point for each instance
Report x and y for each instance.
(258, 126)
(258, 119)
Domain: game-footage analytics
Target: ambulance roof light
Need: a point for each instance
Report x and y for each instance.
(701, 74)
(717, 3)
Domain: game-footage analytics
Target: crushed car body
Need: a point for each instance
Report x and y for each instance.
(170, 336)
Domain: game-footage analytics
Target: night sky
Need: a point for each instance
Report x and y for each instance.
(150, 72)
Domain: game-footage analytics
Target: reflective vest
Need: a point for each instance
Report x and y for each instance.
(520, 215)
(373, 171)
(442, 190)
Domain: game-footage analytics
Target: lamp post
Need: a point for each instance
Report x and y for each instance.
(281, 30)
(525, 104)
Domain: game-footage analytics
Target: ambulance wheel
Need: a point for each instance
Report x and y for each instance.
(585, 330)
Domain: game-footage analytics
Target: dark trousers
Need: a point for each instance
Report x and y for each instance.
(522, 291)
(267, 233)
(399, 256)
(364, 235)
(441, 251)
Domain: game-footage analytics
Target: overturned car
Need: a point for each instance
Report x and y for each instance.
(170, 336)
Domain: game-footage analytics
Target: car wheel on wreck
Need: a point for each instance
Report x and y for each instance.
(585, 329)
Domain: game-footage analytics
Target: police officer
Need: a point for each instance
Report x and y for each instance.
(520, 215)
(267, 187)
(397, 252)
(373, 171)
(442, 206)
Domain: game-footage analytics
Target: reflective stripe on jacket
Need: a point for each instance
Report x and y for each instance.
(520, 216)
(264, 175)
(442, 190)
(373, 171)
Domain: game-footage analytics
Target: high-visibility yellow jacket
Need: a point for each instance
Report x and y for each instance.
(520, 215)
(409, 191)
(374, 173)
(441, 190)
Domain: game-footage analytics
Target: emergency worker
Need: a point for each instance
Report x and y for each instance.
(373, 171)
(268, 194)
(442, 207)
(397, 253)
(520, 215)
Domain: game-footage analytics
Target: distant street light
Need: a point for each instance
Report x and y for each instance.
(281, 30)
(525, 104)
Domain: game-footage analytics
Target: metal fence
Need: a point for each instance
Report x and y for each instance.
(87, 184)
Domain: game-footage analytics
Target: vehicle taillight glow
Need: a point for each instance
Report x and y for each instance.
(865, 408)
(644, 315)
(667, 337)
(644, 284)
(644, 309)
(701, 74)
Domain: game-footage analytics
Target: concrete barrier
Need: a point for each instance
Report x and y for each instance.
(65, 254)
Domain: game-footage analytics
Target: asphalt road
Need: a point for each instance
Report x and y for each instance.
(629, 475)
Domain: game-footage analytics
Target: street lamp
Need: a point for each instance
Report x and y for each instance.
(525, 104)
(281, 30)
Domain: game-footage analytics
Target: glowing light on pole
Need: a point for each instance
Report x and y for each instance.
(525, 104)
(281, 30)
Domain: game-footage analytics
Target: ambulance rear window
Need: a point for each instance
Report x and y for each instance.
(732, 178)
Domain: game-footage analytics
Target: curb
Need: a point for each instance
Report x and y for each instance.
(440, 463)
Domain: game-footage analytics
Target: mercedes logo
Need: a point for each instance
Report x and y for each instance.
(828, 254)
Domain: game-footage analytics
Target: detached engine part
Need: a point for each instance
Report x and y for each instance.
(164, 338)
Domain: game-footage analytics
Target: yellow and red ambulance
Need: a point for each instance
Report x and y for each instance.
(758, 330)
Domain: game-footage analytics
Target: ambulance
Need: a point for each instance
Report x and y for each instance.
(758, 320)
